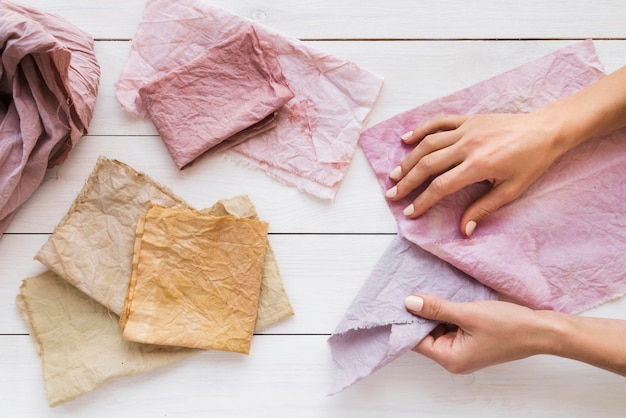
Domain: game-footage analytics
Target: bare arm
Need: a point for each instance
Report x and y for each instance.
(486, 333)
(509, 150)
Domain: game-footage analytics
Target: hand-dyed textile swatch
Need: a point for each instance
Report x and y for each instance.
(274, 305)
(376, 329)
(562, 244)
(80, 344)
(195, 281)
(92, 247)
(227, 94)
(316, 131)
(49, 83)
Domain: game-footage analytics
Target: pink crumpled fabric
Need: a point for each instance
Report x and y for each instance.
(49, 79)
(376, 328)
(224, 96)
(316, 132)
(559, 246)
(562, 244)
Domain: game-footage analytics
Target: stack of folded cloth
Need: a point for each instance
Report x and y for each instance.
(180, 278)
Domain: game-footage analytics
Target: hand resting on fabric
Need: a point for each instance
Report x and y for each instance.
(485, 333)
(509, 150)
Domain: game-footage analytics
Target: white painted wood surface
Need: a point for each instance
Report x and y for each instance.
(424, 49)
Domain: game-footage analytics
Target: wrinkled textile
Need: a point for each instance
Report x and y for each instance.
(80, 344)
(376, 329)
(561, 244)
(92, 247)
(196, 280)
(316, 132)
(49, 79)
(227, 94)
(274, 305)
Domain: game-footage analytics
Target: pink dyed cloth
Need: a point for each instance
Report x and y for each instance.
(227, 94)
(49, 79)
(376, 329)
(562, 244)
(317, 130)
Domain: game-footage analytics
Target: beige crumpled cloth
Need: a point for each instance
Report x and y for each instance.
(49, 78)
(80, 344)
(195, 281)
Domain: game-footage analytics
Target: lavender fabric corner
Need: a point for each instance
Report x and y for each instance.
(376, 329)
(562, 244)
(316, 132)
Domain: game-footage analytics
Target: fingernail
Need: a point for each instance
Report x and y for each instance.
(414, 303)
(391, 193)
(406, 135)
(395, 173)
(408, 211)
(469, 228)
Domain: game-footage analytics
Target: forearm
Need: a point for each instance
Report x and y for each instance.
(596, 341)
(597, 109)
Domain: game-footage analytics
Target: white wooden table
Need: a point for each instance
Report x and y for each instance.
(424, 49)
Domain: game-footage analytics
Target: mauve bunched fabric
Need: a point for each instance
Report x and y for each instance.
(49, 79)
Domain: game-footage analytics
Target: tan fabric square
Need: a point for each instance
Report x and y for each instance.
(80, 344)
(274, 305)
(92, 247)
(196, 280)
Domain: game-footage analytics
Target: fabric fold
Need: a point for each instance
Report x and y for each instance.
(561, 244)
(49, 78)
(316, 132)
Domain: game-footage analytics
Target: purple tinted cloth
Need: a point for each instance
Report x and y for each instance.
(377, 329)
(49, 79)
(562, 244)
(316, 132)
(227, 94)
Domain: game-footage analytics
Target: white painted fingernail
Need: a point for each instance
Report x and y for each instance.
(395, 173)
(414, 303)
(406, 135)
(469, 228)
(391, 193)
(408, 211)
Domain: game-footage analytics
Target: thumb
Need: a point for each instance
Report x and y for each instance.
(484, 206)
(435, 308)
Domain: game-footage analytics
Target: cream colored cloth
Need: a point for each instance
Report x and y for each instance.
(274, 303)
(92, 247)
(195, 281)
(80, 344)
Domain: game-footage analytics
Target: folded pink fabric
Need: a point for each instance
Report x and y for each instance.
(317, 130)
(227, 94)
(49, 73)
(562, 244)
(376, 329)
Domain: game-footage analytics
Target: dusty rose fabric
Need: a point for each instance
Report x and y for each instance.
(562, 244)
(49, 79)
(227, 94)
(376, 328)
(316, 132)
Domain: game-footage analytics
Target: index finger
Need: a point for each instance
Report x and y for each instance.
(436, 124)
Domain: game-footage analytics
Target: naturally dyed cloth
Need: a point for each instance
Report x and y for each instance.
(562, 244)
(316, 132)
(227, 94)
(92, 247)
(195, 280)
(49, 79)
(377, 329)
(559, 246)
(80, 344)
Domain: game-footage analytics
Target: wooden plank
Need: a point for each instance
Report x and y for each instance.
(292, 376)
(374, 19)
